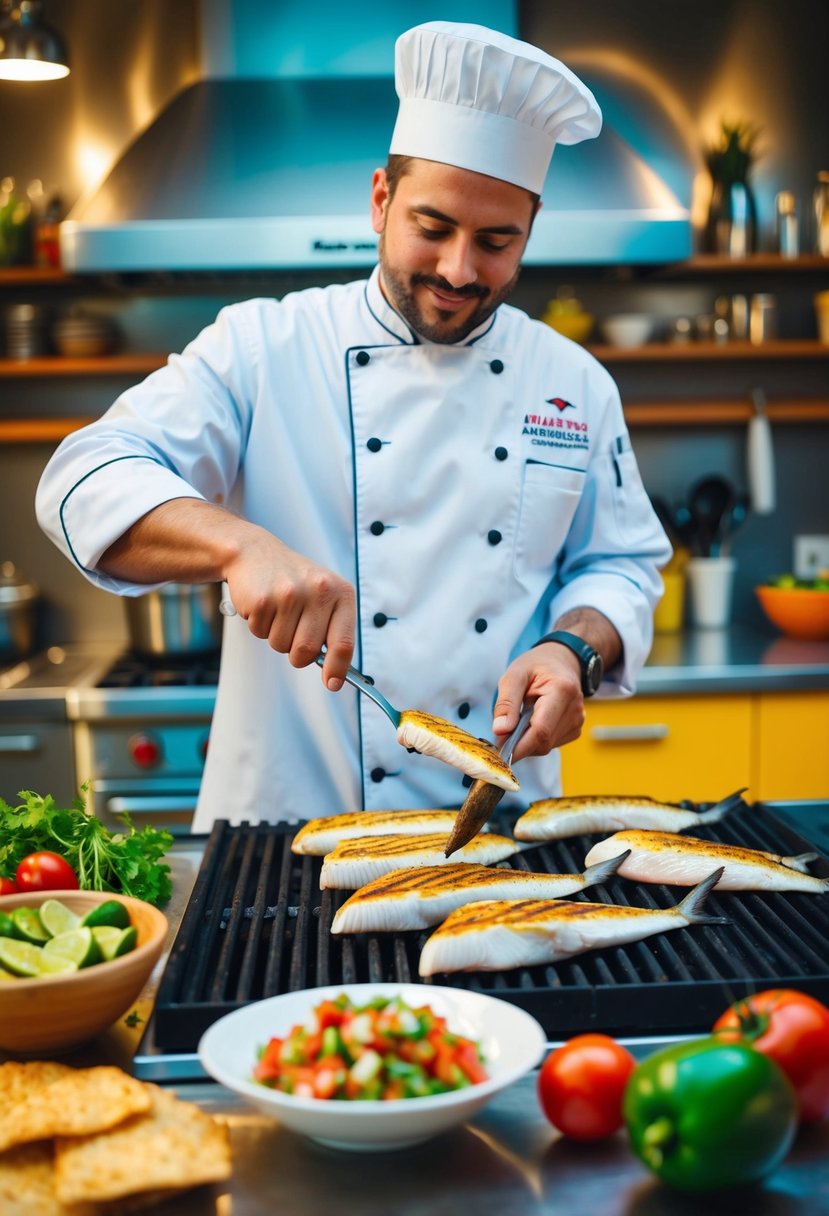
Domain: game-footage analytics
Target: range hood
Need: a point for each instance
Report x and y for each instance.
(255, 173)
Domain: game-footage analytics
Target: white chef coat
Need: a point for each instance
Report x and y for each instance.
(472, 493)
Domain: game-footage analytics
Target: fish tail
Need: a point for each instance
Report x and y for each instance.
(602, 870)
(722, 807)
(689, 907)
(800, 861)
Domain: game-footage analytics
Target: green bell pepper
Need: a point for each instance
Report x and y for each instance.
(707, 1114)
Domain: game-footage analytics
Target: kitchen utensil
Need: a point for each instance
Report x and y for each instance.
(710, 500)
(760, 457)
(511, 1040)
(483, 797)
(364, 684)
(18, 610)
(42, 1016)
(179, 618)
(733, 520)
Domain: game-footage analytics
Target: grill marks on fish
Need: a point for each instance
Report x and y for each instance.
(319, 836)
(500, 934)
(557, 818)
(420, 896)
(664, 857)
(434, 736)
(353, 863)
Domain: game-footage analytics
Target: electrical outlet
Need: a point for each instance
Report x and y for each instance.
(811, 555)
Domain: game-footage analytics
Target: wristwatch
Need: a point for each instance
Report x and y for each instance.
(592, 666)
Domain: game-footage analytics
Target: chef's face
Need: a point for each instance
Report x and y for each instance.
(450, 247)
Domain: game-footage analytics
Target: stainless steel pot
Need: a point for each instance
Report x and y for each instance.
(179, 618)
(19, 598)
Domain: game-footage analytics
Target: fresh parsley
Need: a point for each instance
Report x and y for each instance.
(129, 862)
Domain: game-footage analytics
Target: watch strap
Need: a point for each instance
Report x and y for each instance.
(583, 651)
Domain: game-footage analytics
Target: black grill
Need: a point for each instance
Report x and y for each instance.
(257, 924)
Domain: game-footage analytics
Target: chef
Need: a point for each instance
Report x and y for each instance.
(406, 471)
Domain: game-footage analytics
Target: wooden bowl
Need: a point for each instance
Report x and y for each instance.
(799, 612)
(60, 1012)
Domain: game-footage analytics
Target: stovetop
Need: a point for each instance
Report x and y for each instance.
(132, 670)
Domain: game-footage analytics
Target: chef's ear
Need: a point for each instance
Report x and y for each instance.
(379, 199)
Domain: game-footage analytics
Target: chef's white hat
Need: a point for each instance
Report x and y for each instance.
(480, 100)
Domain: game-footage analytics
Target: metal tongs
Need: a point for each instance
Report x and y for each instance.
(483, 797)
(366, 685)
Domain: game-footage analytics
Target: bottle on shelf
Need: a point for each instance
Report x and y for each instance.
(821, 213)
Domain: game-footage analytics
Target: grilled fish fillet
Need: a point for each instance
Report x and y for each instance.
(556, 818)
(505, 933)
(355, 862)
(320, 836)
(683, 860)
(433, 736)
(420, 896)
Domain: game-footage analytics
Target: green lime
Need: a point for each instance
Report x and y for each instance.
(20, 958)
(28, 926)
(111, 912)
(115, 942)
(56, 918)
(6, 925)
(78, 945)
(55, 964)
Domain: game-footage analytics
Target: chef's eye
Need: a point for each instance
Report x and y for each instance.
(434, 234)
(494, 244)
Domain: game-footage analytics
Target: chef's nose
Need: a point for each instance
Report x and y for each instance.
(456, 263)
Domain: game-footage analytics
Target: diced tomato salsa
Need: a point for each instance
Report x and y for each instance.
(383, 1050)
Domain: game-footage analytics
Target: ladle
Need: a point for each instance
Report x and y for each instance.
(711, 499)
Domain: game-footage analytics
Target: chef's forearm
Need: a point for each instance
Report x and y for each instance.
(185, 540)
(596, 629)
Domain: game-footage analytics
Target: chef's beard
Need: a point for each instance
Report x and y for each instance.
(448, 329)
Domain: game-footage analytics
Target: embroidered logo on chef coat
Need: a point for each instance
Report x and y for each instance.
(556, 430)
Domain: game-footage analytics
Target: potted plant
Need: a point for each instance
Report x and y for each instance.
(731, 227)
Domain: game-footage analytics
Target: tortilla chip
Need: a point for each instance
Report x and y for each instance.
(17, 1081)
(175, 1146)
(27, 1183)
(76, 1102)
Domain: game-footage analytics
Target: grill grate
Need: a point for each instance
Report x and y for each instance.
(257, 924)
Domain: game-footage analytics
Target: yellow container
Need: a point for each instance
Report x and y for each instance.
(822, 315)
(670, 610)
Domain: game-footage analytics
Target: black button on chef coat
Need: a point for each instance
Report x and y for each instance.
(377, 775)
(463, 710)
(363, 357)
(501, 453)
(374, 445)
(480, 625)
(377, 528)
(467, 781)
(380, 619)
(494, 536)
(496, 366)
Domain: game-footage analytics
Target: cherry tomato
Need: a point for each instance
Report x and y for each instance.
(793, 1030)
(7, 887)
(581, 1084)
(45, 872)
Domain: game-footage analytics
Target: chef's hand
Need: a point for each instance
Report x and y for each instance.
(297, 605)
(549, 678)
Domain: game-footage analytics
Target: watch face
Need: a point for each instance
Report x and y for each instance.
(593, 672)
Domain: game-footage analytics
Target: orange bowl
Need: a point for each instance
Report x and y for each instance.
(60, 1012)
(799, 612)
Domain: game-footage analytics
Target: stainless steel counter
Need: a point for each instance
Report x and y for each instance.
(507, 1161)
(732, 660)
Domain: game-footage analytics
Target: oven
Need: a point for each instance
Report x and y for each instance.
(140, 731)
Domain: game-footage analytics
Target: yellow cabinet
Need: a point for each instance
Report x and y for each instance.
(775, 744)
(792, 753)
(670, 747)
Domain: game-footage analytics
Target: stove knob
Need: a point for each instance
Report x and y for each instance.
(144, 750)
(203, 747)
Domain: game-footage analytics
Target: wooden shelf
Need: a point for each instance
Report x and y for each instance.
(135, 363)
(711, 413)
(726, 352)
(718, 263)
(38, 430)
(33, 276)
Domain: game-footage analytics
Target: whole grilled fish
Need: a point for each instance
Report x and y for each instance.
(320, 836)
(505, 933)
(682, 860)
(355, 862)
(420, 896)
(556, 818)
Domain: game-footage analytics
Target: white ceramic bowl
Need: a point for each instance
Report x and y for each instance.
(512, 1041)
(627, 329)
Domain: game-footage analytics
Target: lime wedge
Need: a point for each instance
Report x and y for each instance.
(55, 964)
(28, 926)
(56, 918)
(78, 945)
(6, 925)
(20, 958)
(111, 912)
(115, 942)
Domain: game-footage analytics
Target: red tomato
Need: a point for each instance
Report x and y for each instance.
(581, 1085)
(7, 887)
(45, 872)
(793, 1030)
